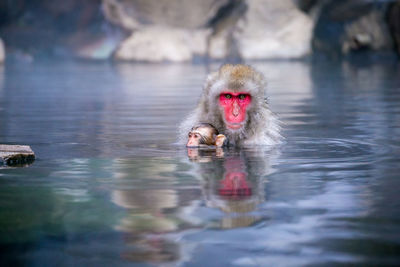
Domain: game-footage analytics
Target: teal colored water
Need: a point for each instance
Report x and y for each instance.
(110, 186)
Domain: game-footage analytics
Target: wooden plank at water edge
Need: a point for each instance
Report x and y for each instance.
(16, 155)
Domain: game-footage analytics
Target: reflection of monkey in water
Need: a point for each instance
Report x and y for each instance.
(204, 134)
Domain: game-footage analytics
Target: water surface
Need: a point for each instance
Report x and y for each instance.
(109, 186)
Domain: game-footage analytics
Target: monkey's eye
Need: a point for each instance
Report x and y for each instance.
(242, 96)
(196, 136)
(190, 135)
(228, 96)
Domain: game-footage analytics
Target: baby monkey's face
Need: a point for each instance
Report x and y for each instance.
(194, 139)
(201, 135)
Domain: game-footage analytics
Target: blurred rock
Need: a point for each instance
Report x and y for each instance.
(155, 44)
(167, 30)
(393, 18)
(134, 14)
(43, 28)
(178, 30)
(2, 52)
(10, 10)
(221, 44)
(92, 46)
(346, 26)
(306, 5)
(369, 31)
(273, 29)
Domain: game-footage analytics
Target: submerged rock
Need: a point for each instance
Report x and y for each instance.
(16, 155)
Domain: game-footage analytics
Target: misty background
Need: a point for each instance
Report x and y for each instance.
(198, 31)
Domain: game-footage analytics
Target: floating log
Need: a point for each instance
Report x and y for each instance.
(16, 155)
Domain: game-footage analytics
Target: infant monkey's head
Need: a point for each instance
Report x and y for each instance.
(202, 134)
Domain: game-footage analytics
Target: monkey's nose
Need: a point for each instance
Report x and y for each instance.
(236, 110)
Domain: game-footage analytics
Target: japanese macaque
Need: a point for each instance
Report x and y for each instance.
(233, 101)
(205, 134)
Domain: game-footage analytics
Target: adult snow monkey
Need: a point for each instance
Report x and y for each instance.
(233, 101)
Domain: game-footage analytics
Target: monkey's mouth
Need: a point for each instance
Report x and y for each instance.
(234, 126)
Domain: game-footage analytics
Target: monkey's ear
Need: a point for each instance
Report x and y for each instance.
(221, 140)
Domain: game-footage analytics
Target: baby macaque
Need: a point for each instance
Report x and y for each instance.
(204, 134)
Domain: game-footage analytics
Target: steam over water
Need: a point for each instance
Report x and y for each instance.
(109, 185)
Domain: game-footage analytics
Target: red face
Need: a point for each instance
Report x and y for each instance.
(234, 105)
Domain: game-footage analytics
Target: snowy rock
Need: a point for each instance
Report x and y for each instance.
(273, 29)
(157, 44)
(135, 14)
(16, 155)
